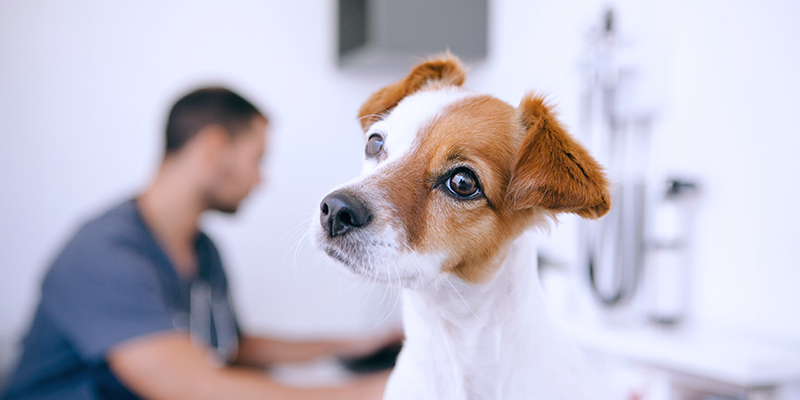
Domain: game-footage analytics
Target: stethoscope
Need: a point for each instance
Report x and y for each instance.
(210, 318)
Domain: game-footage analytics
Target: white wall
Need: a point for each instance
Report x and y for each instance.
(84, 88)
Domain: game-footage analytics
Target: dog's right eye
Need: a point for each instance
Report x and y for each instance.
(374, 145)
(464, 184)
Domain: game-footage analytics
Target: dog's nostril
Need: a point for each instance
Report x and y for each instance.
(341, 211)
(346, 219)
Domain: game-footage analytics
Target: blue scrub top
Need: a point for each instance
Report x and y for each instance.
(111, 283)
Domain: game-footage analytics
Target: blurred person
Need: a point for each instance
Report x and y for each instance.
(137, 305)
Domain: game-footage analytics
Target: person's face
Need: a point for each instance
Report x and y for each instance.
(238, 170)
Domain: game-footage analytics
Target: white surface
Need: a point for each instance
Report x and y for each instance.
(319, 373)
(710, 353)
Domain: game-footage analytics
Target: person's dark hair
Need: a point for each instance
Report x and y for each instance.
(204, 107)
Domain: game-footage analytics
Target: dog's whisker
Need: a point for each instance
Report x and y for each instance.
(286, 255)
(304, 240)
(383, 316)
(391, 288)
(446, 279)
(369, 294)
(295, 246)
(291, 232)
(389, 278)
(387, 312)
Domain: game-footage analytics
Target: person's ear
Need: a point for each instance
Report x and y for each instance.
(212, 143)
(552, 170)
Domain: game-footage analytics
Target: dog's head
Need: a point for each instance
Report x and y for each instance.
(450, 178)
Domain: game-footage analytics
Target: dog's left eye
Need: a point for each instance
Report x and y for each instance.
(374, 145)
(463, 184)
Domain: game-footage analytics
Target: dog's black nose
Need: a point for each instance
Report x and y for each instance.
(340, 211)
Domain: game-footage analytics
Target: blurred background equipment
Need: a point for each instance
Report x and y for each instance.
(637, 257)
(396, 33)
(618, 133)
(668, 248)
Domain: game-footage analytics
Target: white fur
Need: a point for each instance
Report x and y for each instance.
(489, 341)
(399, 129)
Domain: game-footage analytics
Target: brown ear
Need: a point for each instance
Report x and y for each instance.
(554, 171)
(445, 69)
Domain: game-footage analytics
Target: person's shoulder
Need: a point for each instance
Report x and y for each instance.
(115, 237)
(120, 220)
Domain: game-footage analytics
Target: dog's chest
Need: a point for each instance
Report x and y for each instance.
(442, 359)
(461, 344)
(496, 343)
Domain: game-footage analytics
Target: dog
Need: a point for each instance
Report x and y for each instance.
(451, 179)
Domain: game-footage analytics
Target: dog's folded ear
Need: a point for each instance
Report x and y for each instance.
(444, 69)
(552, 170)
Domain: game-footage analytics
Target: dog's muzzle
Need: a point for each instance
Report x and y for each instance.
(341, 212)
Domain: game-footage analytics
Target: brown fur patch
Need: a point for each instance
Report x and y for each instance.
(406, 191)
(444, 69)
(485, 134)
(481, 133)
(554, 171)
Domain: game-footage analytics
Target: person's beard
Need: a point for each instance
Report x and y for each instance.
(213, 202)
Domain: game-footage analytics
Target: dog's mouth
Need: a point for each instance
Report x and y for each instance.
(361, 258)
(334, 254)
(350, 253)
(356, 267)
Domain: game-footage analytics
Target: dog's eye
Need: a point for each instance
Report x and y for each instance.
(374, 145)
(463, 184)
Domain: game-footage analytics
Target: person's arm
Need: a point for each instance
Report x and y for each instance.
(169, 367)
(262, 351)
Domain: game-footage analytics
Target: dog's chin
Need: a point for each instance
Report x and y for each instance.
(377, 257)
(393, 270)
(351, 264)
(337, 255)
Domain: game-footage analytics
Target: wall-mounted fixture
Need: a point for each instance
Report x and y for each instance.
(390, 33)
(640, 249)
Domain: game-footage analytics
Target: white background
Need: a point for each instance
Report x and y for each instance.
(85, 87)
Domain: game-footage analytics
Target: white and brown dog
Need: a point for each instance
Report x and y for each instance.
(451, 180)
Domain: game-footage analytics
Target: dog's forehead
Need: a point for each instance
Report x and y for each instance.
(400, 128)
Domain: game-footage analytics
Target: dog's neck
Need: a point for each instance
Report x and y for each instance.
(492, 340)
